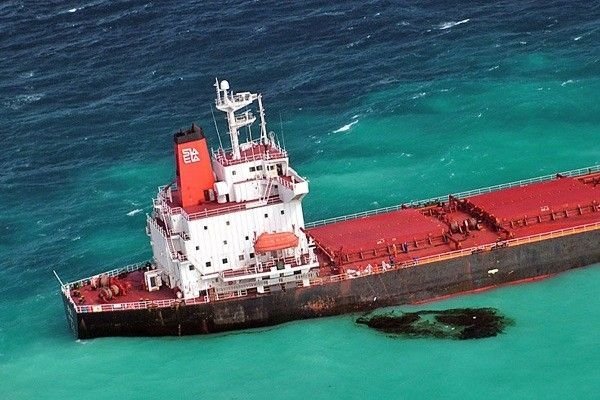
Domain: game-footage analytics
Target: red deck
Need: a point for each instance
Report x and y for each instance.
(537, 199)
(554, 205)
(136, 292)
(377, 231)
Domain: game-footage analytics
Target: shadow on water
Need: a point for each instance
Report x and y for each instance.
(457, 323)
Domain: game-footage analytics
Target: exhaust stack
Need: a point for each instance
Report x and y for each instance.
(195, 177)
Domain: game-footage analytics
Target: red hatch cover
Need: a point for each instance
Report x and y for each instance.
(536, 199)
(376, 231)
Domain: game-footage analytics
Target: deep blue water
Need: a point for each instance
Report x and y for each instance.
(378, 102)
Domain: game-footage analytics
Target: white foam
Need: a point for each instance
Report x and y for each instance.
(22, 100)
(136, 211)
(418, 95)
(346, 127)
(565, 83)
(577, 38)
(493, 68)
(447, 25)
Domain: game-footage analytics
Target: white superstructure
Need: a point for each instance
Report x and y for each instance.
(245, 233)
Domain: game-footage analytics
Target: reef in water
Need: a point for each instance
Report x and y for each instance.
(457, 323)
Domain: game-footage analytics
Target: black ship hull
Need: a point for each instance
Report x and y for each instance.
(480, 270)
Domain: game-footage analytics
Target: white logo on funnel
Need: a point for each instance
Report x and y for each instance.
(190, 156)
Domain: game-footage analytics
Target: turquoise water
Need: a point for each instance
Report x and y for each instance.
(380, 103)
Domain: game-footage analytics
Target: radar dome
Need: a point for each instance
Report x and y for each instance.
(224, 85)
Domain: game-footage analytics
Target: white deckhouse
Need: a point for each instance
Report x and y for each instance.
(232, 222)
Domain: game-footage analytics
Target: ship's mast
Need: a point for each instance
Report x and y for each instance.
(230, 102)
(263, 124)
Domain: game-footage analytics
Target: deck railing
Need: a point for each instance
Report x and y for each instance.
(377, 269)
(111, 273)
(317, 280)
(209, 213)
(139, 305)
(275, 154)
(468, 193)
(265, 267)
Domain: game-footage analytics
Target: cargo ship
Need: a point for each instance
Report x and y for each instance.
(231, 249)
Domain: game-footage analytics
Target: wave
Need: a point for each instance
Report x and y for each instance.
(447, 25)
(346, 127)
(22, 100)
(136, 211)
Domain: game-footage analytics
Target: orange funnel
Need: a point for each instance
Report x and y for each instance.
(195, 177)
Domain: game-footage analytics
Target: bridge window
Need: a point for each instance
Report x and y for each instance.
(241, 257)
(208, 264)
(282, 212)
(251, 255)
(252, 169)
(191, 267)
(224, 261)
(197, 247)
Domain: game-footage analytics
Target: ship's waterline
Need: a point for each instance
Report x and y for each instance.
(231, 249)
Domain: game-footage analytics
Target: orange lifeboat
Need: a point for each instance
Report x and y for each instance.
(275, 241)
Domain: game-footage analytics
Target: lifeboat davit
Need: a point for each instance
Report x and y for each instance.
(275, 241)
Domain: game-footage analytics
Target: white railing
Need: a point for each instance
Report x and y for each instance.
(284, 182)
(223, 210)
(243, 97)
(238, 291)
(230, 295)
(207, 213)
(377, 269)
(238, 287)
(432, 200)
(139, 305)
(264, 268)
(111, 273)
(270, 154)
